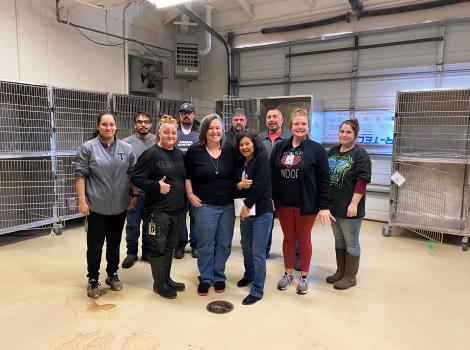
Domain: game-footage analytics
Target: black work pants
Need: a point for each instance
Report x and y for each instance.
(165, 230)
(101, 227)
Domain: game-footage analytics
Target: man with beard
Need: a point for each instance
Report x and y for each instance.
(238, 124)
(187, 135)
(270, 138)
(140, 141)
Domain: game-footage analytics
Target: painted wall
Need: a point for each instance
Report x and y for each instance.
(37, 49)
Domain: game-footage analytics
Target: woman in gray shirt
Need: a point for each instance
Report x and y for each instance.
(101, 167)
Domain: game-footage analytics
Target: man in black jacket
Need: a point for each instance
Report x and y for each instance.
(238, 124)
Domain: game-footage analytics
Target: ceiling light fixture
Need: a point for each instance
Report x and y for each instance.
(166, 3)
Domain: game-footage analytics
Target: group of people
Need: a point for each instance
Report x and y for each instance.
(181, 171)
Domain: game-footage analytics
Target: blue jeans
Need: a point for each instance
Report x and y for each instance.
(214, 225)
(346, 233)
(192, 230)
(255, 233)
(134, 217)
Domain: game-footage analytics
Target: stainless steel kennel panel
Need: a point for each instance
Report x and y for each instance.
(432, 126)
(30, 195)
(25, 120)
(75, 114)
(126, 106)
(432, 152)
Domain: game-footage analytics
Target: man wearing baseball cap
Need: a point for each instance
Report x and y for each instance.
(187, 135)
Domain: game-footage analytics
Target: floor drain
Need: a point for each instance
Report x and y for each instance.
(219, 307)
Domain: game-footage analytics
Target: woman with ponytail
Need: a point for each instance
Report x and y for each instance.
(350, 171)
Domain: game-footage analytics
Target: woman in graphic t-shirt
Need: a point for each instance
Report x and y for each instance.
(350, 171)
(300, 180)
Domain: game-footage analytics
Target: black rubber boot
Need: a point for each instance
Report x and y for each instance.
(179, 287)
(340, 257)
(160, 286)
(350, 271)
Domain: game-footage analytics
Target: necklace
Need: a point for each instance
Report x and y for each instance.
(216, 165)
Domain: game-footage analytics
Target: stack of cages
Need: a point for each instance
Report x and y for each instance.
(230, 104)
(125, 107)
(287, 104)
(74, 118)
(30, 192)
(431, 157)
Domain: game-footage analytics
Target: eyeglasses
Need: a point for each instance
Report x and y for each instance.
(168, 120)
(141, 122)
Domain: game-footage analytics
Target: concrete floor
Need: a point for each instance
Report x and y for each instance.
(408, 297)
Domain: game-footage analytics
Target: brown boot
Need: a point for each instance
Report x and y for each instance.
(350, 272)
(340, 257)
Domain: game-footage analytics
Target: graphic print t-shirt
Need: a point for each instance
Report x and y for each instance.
(290, 189)
(345, 168)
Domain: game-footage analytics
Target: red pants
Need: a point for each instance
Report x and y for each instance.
(296, 228)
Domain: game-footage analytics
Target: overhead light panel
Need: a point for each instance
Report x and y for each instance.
(166, 3)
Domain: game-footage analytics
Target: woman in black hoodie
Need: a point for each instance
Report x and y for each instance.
(300, 185)
(253, 181)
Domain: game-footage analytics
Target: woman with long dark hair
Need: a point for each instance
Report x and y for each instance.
(253, 182)
(101, 170)
(350, 171)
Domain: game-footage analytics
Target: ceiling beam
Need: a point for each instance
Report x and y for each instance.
(356, 5)
(245, 5)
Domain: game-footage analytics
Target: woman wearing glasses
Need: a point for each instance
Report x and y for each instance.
(101, 167)
(160, 173)
(209, 187)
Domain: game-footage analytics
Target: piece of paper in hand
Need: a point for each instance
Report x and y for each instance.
(398, 178)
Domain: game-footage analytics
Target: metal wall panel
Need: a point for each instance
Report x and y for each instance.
(261, 91)
(322, 64)
(457, 45)
(334, 94)
(381, 92)
(262, 63)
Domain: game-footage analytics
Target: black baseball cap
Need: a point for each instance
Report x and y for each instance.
(187, 107)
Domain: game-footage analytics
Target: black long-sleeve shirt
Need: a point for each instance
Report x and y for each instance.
(314, 177)
(211, 179)
(259, 193)
(152, 166)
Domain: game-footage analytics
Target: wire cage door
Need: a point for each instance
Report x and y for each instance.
(231, 103)
(419, 204)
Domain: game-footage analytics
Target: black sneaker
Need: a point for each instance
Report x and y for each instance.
(243, 282)
(114, 283)
(219, 286)
(179, 253)
(93, 288)
(145, 257)
(129, 261)
(194, 252)
(250, 300)
(203, 288)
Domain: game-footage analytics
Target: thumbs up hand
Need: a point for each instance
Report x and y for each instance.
(164, 187)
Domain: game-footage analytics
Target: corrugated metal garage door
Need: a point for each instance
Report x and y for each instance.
(381, 73)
